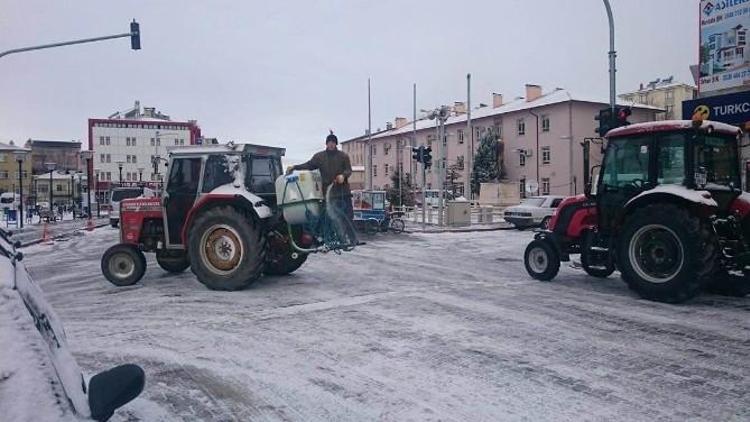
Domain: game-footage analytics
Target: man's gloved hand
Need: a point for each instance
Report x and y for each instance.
(340, 179)
(289, 170)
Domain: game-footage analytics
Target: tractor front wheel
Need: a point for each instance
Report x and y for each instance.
(172, 261)
(664, 255)
(123, 264)
(227, 249)
(542, 260)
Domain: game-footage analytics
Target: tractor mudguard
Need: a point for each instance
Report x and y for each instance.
(554, 239)
(664, 193)
(574, 216)
(740, 206)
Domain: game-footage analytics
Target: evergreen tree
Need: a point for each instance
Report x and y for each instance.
(403, 196)
(486, 166)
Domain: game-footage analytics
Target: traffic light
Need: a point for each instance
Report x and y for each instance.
(135, 35)
(416, 153)
(605, 121)
(427, 157)
(608, 121)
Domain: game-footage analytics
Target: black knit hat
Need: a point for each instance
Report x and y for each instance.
(332, 138)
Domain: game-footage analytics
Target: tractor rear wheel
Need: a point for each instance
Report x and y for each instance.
(664, 253)
(541, 259)
(595, 263)
(227, 249)
(282, 258)
(172, 261)
(123, 264)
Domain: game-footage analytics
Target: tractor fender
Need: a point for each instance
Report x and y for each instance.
(227, 195)
(700, 199)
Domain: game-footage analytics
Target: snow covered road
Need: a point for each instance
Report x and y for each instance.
(409, 327)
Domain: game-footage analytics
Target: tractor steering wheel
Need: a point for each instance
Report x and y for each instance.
(637, 184)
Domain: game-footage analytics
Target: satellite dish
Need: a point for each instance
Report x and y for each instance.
(532, 186)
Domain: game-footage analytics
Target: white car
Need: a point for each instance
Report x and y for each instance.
(118, 194)
(532, 211)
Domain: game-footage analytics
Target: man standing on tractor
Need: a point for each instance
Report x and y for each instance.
(335, 168)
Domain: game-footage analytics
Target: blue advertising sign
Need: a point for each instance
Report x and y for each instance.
(731, 108)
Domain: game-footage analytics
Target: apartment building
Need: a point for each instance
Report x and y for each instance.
(666, 94)
(538, 136)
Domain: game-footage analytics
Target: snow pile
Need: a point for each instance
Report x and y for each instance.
(696, 196)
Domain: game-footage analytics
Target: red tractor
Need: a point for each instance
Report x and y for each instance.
(219, 215)
(665, 209)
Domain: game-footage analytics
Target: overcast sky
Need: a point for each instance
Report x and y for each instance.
(283, 72)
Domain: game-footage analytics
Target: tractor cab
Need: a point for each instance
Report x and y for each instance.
(671, 159)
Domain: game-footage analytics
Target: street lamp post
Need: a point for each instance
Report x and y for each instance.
(612, 57)
(88, 155)
(119, 166)
(96, 189)
(51, 168)
(140, 174)
(20, 155)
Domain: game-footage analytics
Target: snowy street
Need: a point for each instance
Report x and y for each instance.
(408, 327)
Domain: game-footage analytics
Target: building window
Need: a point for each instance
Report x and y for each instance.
(158, 142)
(127, 142)
(3, 174)
(669, 113)
(101, 140)
(545, 185)
(127, 159)
(132, 142)
(134, 160)
(522, 188)
(106, 139)
(109, 175)
(374, 150)
(109, 158)
(58, 188)
(546, 155)
(102, 158)
(386, 148)
(669, 97)
(522, 159)
(479, 131)
(177, 142)
(374, 170)
(521, 124)
(182, 142)
(387, 169)
(153, 142)
(498, 130)
(545, 123)
(460, 136)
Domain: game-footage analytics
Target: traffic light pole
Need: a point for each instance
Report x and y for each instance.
(612, 57)
(424, 196)
(134, 34)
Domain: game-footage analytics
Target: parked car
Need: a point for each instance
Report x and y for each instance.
(118, 194)
(532, 211)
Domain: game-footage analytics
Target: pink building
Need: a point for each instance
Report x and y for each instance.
(559, 119)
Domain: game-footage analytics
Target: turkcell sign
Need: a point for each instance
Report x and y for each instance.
(724, 51)
(731, 108)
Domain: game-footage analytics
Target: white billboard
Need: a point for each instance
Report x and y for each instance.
(724, 52)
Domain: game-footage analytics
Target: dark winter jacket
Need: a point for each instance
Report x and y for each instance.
(330, 164)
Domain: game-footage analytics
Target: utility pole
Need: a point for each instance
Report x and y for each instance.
(134, 35)
(612, 58)
(413, 143)
(369, 137)
(469, 160)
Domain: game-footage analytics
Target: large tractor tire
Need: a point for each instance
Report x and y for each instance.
(282, 258)
(173, 261)
(227, 249)
(123, 264)
(665, 254)
(541, 259)
(596, 264)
